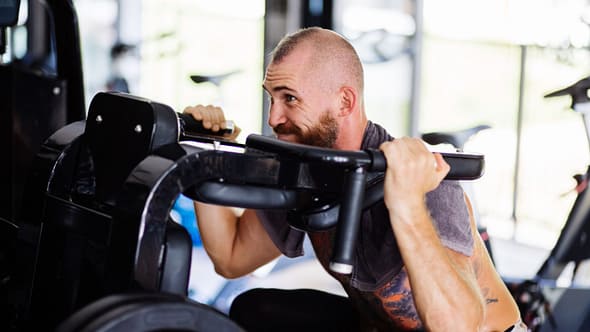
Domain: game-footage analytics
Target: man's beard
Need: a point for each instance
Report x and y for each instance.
(323, 134)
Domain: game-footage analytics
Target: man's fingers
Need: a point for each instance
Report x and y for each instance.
(218, 117)
(237, 130)
(412, 167)
(214, 118)
(442, 167)
(194, 112)
(208, 117)
(211, 117)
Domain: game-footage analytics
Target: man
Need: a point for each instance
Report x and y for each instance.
(419, 262)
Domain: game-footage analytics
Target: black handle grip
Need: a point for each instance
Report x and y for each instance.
(464, 166)
(189, 125)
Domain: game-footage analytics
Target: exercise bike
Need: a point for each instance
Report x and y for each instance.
(544, 306)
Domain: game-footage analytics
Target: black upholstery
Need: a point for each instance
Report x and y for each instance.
(147, 312)
(86, 249)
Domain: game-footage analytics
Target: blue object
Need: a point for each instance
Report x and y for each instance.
(183, 212)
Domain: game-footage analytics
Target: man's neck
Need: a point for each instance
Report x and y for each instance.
(351, 134)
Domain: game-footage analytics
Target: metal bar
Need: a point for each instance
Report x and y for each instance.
(519, 119)
(414, 116)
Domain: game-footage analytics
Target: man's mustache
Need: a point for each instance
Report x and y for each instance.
(286, 129)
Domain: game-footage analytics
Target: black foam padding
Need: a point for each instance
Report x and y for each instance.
(121, 130)
(82, 317)
(176, 262)
(148, 312)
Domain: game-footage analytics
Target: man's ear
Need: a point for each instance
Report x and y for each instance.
(348, 100)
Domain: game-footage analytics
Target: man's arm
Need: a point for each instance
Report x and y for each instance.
(236, 244)
(443, 282)
(501, 309)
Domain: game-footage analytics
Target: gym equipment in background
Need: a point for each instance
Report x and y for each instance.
(543, 306)
(39, 93)
(572, 245)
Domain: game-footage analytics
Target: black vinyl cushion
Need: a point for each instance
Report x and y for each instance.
(121, 130)
(148, 312)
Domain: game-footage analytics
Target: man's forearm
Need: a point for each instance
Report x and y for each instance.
(443, 285)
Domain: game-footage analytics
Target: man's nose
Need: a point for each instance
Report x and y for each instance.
(276, 116)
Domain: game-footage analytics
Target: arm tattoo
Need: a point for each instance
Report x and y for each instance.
(485, 293)
(397, 300)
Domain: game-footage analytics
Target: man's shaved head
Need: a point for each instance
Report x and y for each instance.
(327, 51)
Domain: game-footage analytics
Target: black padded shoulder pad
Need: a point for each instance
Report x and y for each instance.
(121, 130)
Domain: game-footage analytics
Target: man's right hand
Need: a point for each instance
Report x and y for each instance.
(412, 171)
(212, 118)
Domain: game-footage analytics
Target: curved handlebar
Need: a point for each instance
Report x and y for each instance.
(357, 163)
(464, 166)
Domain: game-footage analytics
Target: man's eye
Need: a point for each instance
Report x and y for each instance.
(290, 98)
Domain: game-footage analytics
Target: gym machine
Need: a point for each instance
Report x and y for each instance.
(104, 188)
(77, 248)
(39, 93)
